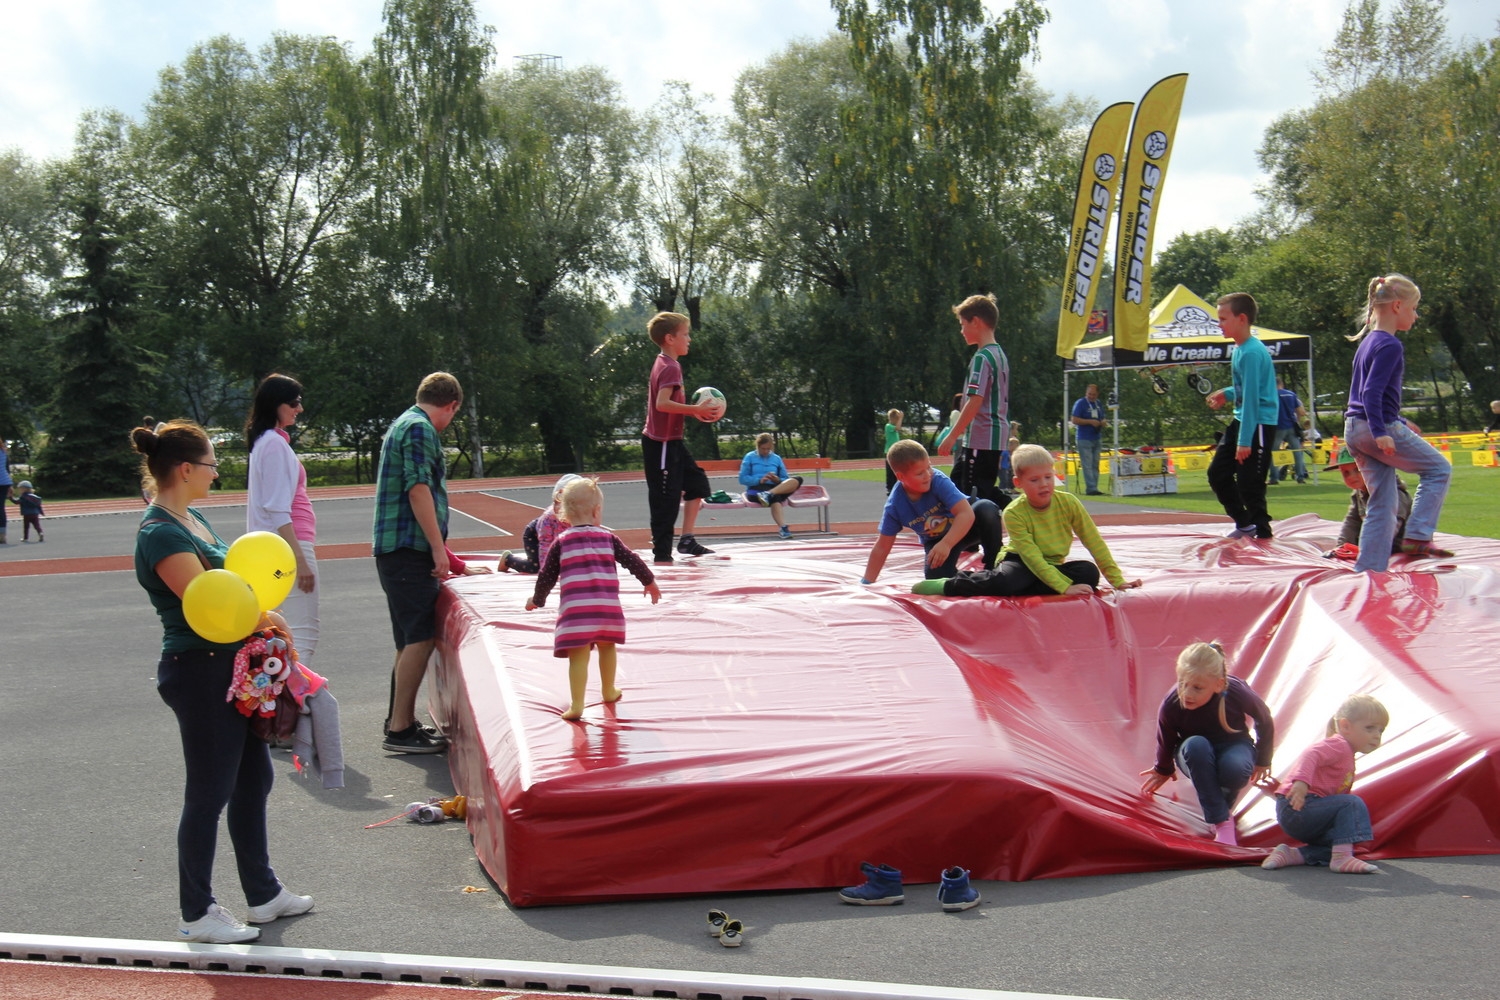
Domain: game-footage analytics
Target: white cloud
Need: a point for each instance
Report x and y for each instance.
(1248, 60)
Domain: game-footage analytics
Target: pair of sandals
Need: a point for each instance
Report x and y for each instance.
(731, 933)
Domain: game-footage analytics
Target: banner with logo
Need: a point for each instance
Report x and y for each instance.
(1098, 182)
(1146, 160)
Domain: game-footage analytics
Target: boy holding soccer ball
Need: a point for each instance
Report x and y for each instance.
(671, 474)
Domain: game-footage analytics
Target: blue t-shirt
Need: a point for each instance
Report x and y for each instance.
(1286, 415)
(1087, 409)
(929, 515)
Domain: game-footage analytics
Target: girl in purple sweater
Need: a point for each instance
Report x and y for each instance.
(1202, 730)
(1381, 440)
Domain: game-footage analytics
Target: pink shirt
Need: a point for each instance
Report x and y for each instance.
(660, 426)
(1326, 767)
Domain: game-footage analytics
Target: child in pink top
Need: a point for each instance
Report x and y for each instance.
(588, 616)
(1314, 802)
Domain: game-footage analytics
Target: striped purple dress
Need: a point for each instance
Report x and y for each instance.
(583, 560)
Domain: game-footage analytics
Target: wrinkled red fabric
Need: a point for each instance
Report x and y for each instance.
(782, 723)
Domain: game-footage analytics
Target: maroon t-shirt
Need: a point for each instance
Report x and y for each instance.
(666, 372)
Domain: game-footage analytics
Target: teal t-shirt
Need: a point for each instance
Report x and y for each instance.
(153, 543)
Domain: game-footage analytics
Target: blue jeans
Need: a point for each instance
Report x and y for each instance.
(1379, 469)
(1293, 437)
(1324, 821)
(1219, 773)
(985, 533)
(226, 767)
(1088, 463)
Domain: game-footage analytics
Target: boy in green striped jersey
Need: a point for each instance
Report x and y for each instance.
(982, 431)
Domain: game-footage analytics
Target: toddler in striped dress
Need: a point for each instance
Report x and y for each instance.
(589, 617)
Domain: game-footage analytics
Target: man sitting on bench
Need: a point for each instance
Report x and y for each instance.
(766, 480)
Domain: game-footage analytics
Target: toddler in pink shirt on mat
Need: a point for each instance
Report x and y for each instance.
(1314, 802)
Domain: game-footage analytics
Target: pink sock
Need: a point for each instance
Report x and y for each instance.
(1345, 863)
(1224, 833)
(1283, 856)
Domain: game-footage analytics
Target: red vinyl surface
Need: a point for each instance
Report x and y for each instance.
(782, 723)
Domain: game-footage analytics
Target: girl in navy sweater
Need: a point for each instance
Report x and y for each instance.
(1201, 729)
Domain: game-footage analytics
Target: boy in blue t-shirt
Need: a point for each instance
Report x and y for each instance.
(927, 502)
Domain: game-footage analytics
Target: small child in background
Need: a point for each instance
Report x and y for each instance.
(31, 510)
(928, 502)
(1042, 524)
(1201, 728)
(538, 535)
(1314, 802)
(1359, 502)
(582, 559)
(458, 566)
(893, 418)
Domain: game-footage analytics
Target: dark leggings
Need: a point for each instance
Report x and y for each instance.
(985, 535)
(226, 766)
(1011, 578)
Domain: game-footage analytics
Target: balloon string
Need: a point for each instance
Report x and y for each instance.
(409, 810)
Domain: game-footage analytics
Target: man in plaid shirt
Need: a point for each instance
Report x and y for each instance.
(411, 526)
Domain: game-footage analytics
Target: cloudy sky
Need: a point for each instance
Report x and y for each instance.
(1248, 60)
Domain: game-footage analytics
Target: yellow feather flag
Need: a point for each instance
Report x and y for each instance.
(1146, 161)
(1098, 182)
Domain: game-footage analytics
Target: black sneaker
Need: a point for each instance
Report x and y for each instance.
(414, 739)
(688, 546)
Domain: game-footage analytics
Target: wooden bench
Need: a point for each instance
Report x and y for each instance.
(812, 494)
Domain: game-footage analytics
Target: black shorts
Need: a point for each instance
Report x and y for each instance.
(411, 593)
(671, 472)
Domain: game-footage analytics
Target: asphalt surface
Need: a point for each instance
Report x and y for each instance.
(92, 784)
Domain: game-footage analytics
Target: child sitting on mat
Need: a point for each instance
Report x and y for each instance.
(1041, 525)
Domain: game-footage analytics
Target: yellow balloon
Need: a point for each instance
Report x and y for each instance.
(266, 562)
(220, 606)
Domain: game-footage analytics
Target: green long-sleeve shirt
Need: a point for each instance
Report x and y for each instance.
(1042, 538)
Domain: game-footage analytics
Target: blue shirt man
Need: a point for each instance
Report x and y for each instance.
(1088, 421)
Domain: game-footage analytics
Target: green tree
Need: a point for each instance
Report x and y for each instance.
(440, 224)
(29, 261)
(570, 145)
(893, 170)
(102, 375)
(255, 161)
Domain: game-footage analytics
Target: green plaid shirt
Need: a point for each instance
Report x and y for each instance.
(411, 453)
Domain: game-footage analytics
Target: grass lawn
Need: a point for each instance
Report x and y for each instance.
(1471, 508)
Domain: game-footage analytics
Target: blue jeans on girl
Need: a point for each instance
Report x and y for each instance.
(1379, 469)
(1324, 821)
(1220, 771)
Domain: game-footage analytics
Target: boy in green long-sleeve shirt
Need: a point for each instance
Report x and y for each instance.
(1041, 525)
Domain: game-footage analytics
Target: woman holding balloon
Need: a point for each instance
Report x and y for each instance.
(225, 764)
(278, 499)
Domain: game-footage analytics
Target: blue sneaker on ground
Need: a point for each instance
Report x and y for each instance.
(883, 887)
(955, 893)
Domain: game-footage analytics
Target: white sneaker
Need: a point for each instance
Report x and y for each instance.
(217, 926)
(286, 904)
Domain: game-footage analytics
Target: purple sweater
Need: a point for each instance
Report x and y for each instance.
(1175, 724)
(1375, 385)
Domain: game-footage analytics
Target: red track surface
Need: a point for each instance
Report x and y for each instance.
(52, 981)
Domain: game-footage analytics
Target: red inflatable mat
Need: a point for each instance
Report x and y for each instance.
(782, 723)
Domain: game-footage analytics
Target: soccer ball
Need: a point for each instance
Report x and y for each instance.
(709, 392)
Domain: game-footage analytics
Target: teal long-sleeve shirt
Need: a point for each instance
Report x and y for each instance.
(1253, 391)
